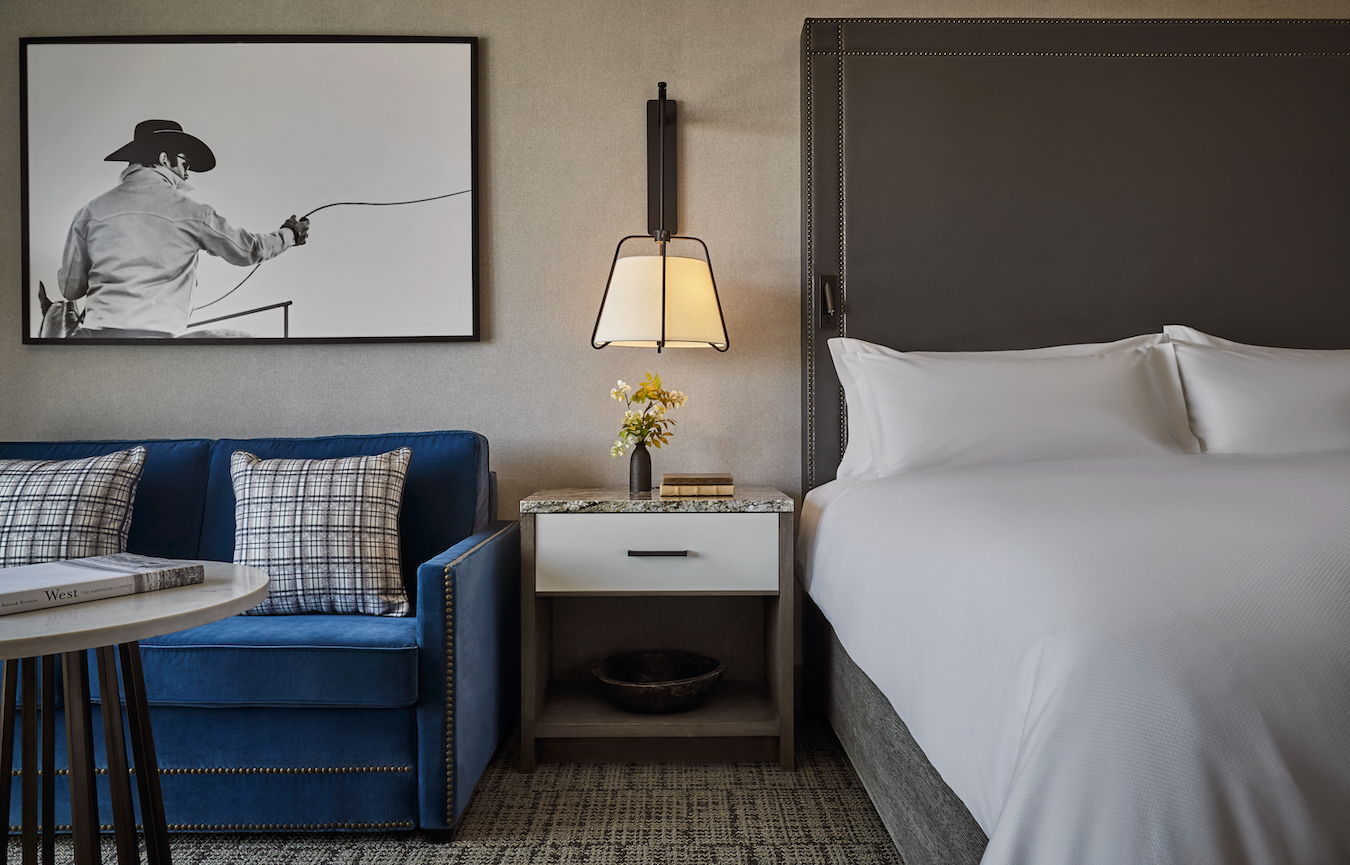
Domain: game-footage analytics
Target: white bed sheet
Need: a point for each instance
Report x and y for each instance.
(1137, 660)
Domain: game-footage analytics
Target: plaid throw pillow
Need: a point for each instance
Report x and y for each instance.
(67, 509)
(325, 531)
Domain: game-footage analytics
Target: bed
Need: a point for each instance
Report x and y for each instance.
(1126, 639)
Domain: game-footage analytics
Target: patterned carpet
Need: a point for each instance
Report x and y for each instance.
(583, 814)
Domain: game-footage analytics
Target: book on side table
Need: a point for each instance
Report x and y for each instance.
(708, 484)
(73, 581)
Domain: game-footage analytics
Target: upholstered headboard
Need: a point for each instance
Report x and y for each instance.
(986, 184)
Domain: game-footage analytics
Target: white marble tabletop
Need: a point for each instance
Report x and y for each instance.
(228, 589)
(747, 500)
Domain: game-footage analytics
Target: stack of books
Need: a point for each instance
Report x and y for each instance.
(53, 584)
(697, 485)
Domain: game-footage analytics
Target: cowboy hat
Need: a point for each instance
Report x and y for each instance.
(154, 137)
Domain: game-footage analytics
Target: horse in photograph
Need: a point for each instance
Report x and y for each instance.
(59, 319)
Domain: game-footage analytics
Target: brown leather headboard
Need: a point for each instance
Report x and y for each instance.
(989, 184)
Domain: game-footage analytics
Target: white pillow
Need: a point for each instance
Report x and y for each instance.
(1250, 399)
(858, 453)
(932, 411)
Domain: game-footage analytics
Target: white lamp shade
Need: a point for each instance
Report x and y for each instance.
(632, 310)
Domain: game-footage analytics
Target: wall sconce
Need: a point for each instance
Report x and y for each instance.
(660, 292)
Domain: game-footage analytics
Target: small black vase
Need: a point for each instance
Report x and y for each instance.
(639, 470)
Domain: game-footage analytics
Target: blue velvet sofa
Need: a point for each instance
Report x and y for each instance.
(326, 722)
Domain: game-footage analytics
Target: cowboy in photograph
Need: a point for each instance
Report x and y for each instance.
(132, 252)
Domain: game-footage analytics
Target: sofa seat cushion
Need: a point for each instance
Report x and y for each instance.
(318, 661)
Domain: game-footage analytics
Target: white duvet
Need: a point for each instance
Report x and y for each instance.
(1110, 661)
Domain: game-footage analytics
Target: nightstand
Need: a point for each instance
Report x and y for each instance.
(605, 572)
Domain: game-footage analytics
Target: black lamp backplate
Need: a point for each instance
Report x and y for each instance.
(654, 168)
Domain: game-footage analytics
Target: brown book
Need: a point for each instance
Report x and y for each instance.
(685, 485)
(695, 480)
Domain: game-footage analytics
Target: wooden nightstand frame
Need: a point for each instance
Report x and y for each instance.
(747, 717)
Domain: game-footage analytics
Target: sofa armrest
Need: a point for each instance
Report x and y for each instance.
(468, 635)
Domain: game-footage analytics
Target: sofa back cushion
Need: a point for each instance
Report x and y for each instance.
(445, 497)
(166, 516)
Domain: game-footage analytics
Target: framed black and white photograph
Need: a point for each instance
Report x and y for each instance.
(249, 189)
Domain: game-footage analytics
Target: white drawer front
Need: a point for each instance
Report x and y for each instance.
(590, 552)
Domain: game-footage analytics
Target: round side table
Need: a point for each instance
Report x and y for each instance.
(111, 627)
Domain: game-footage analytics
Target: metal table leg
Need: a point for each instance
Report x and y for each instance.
(49, 759)
(80, 752)
(29, 774)
(143, 750)
(119, 780)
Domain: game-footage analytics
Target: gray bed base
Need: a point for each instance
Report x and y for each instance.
(925, 819)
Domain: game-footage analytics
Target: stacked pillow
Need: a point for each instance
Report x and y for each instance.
(1251, 399)
(915, 410)
(1181, 391)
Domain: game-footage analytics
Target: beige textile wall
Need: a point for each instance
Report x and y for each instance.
(563, 85)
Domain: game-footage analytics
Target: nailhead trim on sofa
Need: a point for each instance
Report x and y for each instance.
(249, 827)
(450, 693)
(255, 770)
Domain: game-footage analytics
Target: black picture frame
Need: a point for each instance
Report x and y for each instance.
(328, 127)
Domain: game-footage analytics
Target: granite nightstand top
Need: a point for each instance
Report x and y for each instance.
(748, 500)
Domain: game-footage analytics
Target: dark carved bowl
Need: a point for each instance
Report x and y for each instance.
(657, 681)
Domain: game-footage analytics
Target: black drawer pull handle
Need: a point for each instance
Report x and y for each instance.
(658, 552)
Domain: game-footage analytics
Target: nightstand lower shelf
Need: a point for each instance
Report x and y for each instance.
(580, 710)
(737, 722)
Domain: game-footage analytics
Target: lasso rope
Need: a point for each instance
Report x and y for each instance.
(316, 210)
